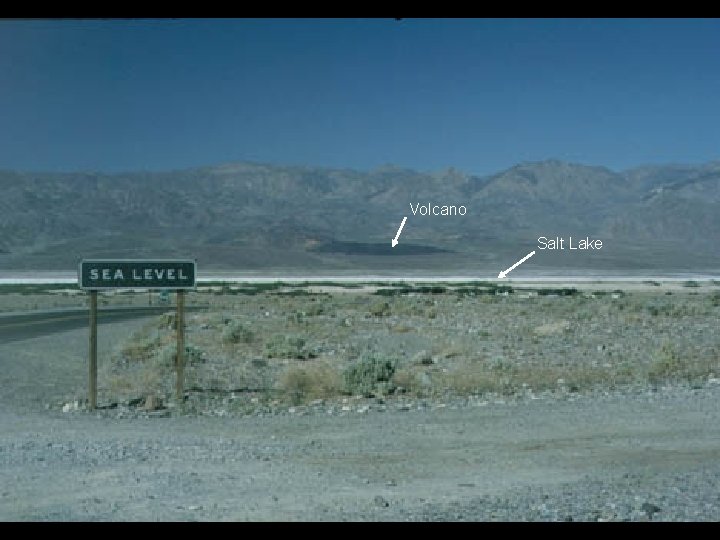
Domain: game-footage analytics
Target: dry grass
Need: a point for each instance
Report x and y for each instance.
(148, 378)
(472, 379)
(139, 348)
(313, 379)
(400, 328)
(669, 364)
(553, 328)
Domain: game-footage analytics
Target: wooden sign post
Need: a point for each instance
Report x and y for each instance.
(92, 371)
(94, 275)
(180, 357)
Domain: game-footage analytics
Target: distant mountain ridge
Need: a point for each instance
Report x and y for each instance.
(252, 216)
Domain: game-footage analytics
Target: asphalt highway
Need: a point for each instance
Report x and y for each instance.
(19, 326)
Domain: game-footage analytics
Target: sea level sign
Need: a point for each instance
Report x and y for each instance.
(136, 274)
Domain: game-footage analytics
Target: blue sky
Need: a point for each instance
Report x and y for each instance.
(478, 95)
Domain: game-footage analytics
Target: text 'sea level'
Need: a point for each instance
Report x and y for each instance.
(143, 274)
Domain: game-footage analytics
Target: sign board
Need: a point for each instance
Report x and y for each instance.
(136, 274)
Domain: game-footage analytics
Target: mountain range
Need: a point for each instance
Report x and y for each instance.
(255, 217)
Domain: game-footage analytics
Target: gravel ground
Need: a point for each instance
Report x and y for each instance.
(249, 350)
(641, 454)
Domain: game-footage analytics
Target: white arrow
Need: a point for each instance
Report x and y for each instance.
(395, 240)
(502, 275)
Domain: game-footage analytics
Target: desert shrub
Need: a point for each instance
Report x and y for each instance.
(666, 364)
(474, 291)
(431, 290)
(309, 309)
(658, 308)
(391, 292)
(139, 348)
(288, 347)
(167, 355)
(557, 292)
(380, 309)
(314, 310)
(297, 317)
(669, 364)
(236, 332)
(404, 290)
(167, 321)
(691, 283)
(194, 355)
(301, 383)
(369, 376)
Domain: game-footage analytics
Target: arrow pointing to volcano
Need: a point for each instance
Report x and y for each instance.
(395, 240)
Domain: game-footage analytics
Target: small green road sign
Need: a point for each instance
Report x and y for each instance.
(136, 274)
(97, 274)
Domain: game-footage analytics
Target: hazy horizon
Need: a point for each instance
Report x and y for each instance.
(359, 169)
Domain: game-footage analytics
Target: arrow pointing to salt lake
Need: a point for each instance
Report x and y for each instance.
(502, 275)
(395, 240)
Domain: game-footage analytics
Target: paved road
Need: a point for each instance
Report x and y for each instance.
(21, 326)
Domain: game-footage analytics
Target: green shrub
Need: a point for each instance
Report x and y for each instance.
(315, 310)
(288, 347)
(557, 292)
(167, 355)
(370, 376)
(380, 309)
(236, 332)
